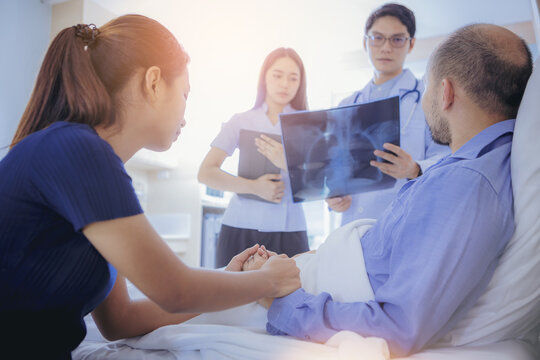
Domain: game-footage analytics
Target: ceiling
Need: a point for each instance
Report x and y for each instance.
(434, 17)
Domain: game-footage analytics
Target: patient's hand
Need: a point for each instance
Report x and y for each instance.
(266, 302)
(255, 262)
(237, 262)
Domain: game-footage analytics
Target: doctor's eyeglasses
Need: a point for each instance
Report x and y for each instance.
(396, 41)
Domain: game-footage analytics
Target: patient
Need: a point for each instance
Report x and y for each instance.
(431, 254)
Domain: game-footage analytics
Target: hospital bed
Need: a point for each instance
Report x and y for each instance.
(503, 325)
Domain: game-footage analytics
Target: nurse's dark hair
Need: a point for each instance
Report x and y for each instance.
(299, 102)
(85, 68)
(491, 63)
(400, 12)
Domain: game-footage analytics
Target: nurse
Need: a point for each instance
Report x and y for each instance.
(277, 223)
(389, 38)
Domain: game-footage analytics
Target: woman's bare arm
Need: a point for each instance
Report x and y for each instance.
(119, 317)
(268, 186)
(134, 248)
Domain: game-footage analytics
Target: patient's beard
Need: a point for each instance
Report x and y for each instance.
(440, 131)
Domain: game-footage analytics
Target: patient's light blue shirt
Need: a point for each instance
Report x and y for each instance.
(429, 256)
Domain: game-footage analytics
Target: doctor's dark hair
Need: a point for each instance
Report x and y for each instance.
(85, 68)
(299, 102)
(400, 12)
(492, 68)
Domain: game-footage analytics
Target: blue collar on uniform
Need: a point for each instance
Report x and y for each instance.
(472, 148)
(287, 109)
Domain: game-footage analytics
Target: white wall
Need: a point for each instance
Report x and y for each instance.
(24, 37)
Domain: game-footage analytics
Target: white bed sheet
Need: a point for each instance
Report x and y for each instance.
(220, 342)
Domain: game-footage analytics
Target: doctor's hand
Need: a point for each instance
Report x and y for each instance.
(339, 203)
(400, 165)
(272, 150)
(282, 275)
(269, 187)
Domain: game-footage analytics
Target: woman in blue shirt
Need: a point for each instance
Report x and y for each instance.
(389, 38)
(71, 227)
(276, 223)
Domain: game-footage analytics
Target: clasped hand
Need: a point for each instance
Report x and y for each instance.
(281, 272)
(272, 150)
(270, 187)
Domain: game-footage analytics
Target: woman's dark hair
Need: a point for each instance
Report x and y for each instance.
(299, 102)
(85, 68)
(400, 12)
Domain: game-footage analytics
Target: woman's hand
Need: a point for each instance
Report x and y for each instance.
(269, 187)
(400, 165)
(238, 261)
(272, 150)
(282, 275)
(255, 262)
(339, 203)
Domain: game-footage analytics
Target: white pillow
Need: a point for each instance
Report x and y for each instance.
(510, 307)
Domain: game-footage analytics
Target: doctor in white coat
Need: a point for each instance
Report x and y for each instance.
(389, 39)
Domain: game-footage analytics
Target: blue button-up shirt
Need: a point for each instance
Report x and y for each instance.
(429, 256)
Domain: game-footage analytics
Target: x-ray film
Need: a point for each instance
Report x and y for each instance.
(251, 163)
(328, 151)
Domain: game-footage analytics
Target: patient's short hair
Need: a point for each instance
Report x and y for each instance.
(492, 64)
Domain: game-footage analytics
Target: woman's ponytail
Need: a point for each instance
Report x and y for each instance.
(67, 87)
(86, 68)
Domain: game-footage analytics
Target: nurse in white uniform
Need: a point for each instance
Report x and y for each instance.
(389, 38)
(277, 223)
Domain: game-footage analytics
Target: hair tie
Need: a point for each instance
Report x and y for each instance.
(88, 33)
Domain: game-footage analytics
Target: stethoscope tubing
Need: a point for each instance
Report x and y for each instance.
(408, 92)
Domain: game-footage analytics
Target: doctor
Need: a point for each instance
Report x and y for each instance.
(389, 38)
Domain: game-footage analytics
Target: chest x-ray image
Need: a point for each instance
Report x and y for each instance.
(328, 151)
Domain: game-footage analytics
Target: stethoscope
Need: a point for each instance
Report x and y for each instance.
(414, 91)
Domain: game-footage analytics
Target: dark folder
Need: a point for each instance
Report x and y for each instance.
(252, 164)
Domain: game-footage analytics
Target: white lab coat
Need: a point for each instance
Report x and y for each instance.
(415, 139)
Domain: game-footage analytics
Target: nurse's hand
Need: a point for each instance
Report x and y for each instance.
(272, 150)
(269, 187)
(400, 165)
(339, 203)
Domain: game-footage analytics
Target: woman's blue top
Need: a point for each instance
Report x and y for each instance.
(52, 184)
